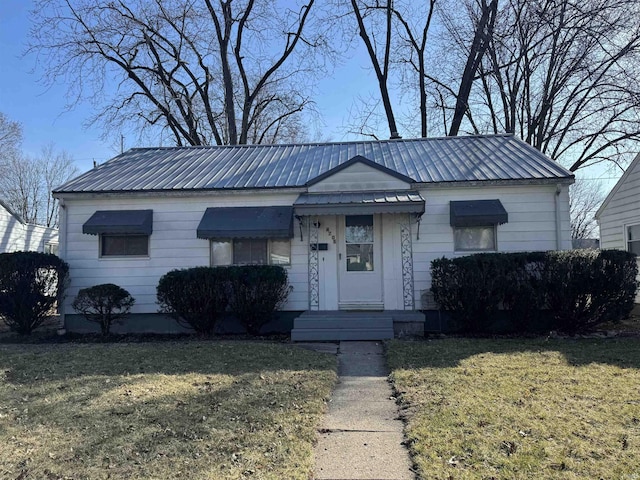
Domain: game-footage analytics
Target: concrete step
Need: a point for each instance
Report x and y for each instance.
(332, 334)
(344, 322)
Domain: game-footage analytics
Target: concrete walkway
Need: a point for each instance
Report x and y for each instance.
(361, 437)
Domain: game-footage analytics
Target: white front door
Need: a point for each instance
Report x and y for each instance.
(360, 262)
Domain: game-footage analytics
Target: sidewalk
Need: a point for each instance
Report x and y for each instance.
(361, 437)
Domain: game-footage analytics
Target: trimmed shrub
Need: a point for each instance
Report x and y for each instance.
(31, 286)
(104, 304)
(585, 288)
(195, 297)
(257, 291)
(578, 289)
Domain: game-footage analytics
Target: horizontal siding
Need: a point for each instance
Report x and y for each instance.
(15, 236)
(531, 225)
(359, 177)
(622, 209)
(173, 244)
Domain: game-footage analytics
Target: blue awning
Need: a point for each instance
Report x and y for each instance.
(120, 222)
(246, 222)
(477, 213)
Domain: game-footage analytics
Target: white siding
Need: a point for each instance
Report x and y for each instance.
(358, 177)
(11, 232)
(531, 226)
(173, 244)
(16, 236)
(622, 208)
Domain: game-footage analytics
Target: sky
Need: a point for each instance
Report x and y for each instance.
(45, 118)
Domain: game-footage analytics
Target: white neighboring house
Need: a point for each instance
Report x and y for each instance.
(356, 224)
(17, 235)
(619, 214)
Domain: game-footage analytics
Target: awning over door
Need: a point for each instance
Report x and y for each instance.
(246, 222)
(355, 203)
(475, 213)
(120, 222)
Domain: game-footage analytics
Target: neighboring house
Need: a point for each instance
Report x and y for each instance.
(585, 243)
(17, 235)
(356, 224)
(619, 214)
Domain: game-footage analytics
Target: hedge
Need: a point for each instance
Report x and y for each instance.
(574, 290)
(31, 286)
(198, 298)
(104, 304)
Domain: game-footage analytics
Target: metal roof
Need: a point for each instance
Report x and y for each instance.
(425, 160)
(351, 203)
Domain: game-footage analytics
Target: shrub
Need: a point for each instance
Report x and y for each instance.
(103, 304)
(257, 291)
(585, 288)
(580, 289)
(31, 285)
(467, 288)
(196, 297)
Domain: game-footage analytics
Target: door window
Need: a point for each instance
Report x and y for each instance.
(359, 243)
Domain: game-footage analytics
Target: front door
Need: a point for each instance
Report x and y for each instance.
(360, 262)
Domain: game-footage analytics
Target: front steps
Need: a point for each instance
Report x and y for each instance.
(327, 326)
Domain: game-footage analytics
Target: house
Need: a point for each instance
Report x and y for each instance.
(619, 215)
(17, 235)
(356, 224)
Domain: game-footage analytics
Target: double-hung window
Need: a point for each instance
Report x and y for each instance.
(472, 239)
(251, 251)
(633, 238)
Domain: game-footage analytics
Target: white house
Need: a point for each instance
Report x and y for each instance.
(619, 214)
(356, 224)
(17, 235)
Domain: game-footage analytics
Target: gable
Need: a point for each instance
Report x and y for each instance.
(626, 192)
(359, 174)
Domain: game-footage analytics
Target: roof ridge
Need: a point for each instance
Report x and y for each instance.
(307, 144)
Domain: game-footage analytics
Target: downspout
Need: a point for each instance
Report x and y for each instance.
(62, 253)
(558, 218)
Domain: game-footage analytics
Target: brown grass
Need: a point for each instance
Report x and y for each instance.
(219, 410)
(521, 409)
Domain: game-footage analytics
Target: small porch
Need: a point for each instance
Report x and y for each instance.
(330, 325)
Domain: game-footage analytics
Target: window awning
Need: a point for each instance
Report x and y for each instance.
(246, 222)
(123, 222)
(355, 203)
(476, 213)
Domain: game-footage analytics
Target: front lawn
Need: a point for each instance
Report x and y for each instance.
(223, 410)
(520, 409)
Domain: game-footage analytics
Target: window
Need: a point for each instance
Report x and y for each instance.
(51, 248)
(467, 239)
(359, 241)
(124, 245)
(633, 239)
(243, 251)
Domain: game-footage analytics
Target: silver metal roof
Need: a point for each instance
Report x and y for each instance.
(348, 203)
(425, 160)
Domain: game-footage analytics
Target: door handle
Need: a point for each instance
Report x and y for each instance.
(339, 256)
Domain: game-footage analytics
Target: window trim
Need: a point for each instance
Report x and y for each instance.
(476, 250)
(101, 256)
(268, 240)
(625, 237)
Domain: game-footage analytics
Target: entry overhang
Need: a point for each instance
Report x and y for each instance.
(246, 222)
(476, 213)
(356, 203)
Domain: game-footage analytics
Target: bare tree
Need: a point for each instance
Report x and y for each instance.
(585, 197)
(560, 74)
(204, 71)
(10, 139)
(28, 182)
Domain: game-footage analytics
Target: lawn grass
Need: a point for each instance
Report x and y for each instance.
(520, 409)
(217, 410)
